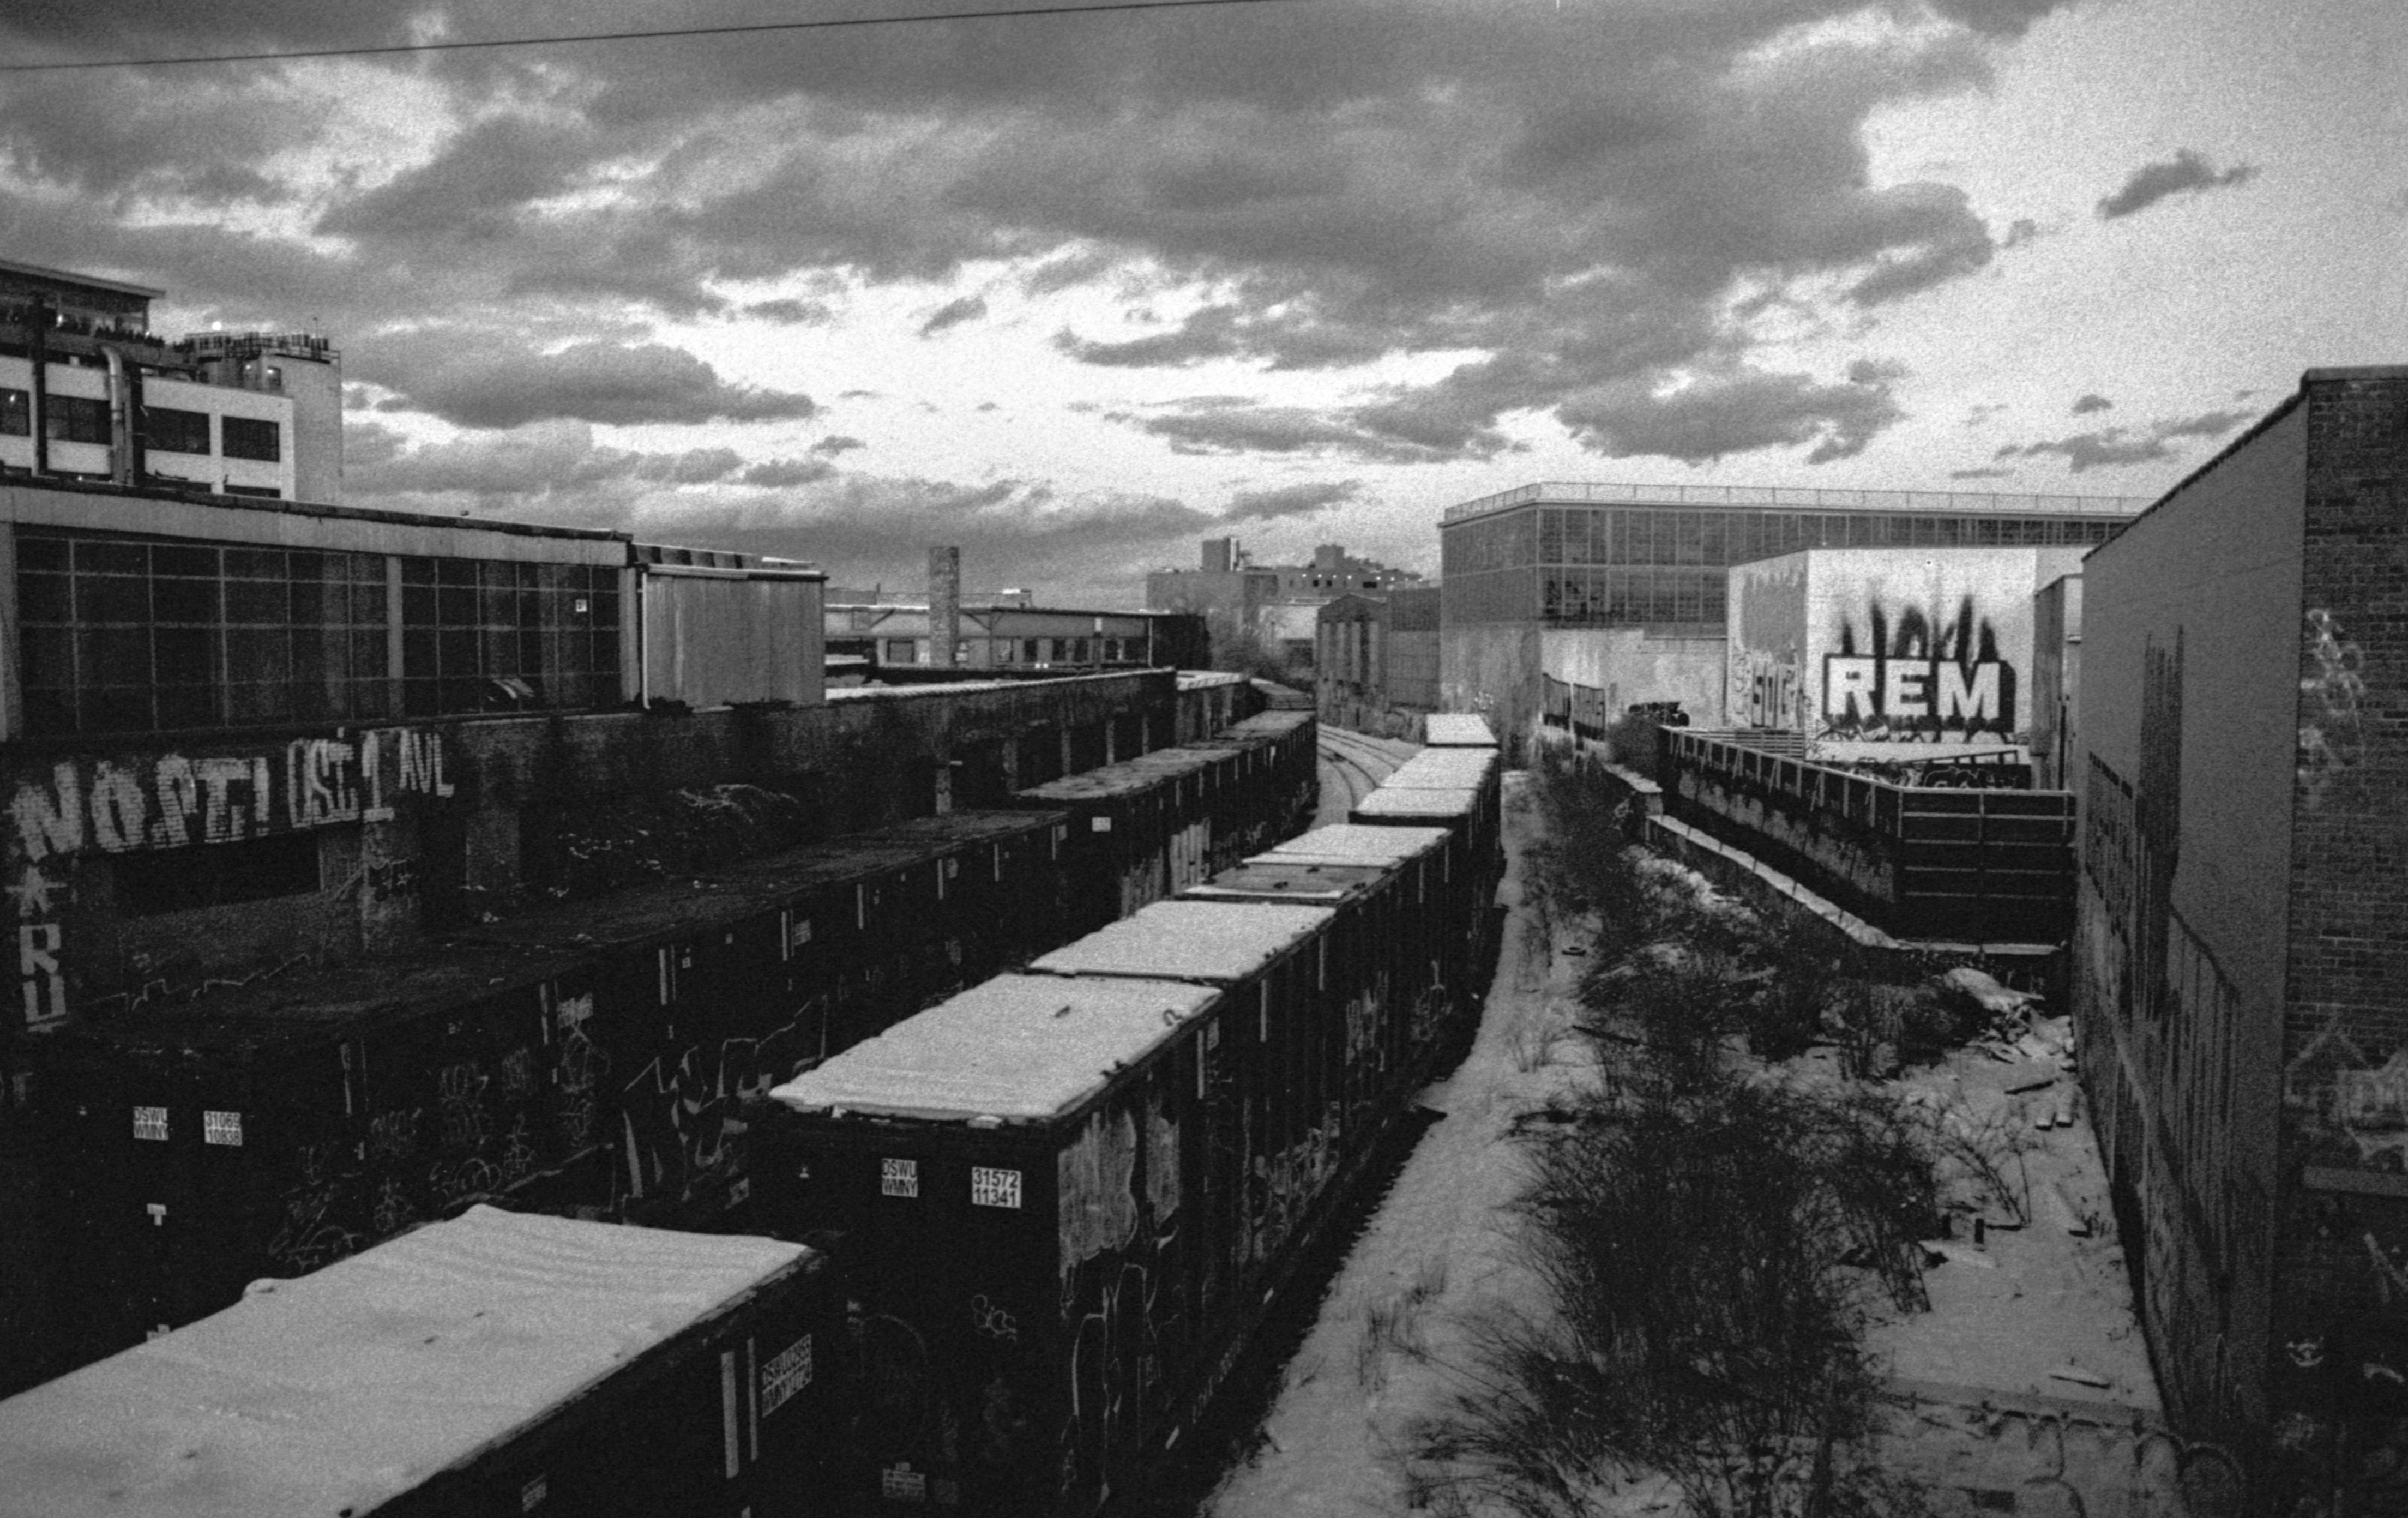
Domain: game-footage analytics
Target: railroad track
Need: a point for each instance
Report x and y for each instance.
(1353, 765)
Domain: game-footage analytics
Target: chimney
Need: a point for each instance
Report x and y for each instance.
(945, 604)
(1217, 555)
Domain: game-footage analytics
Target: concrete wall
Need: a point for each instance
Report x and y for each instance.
(1632, 666)
(1492, 668)
(1887, 653)
(2190, 643)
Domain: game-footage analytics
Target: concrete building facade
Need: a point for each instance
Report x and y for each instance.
(2240, 964)
(1621, 587)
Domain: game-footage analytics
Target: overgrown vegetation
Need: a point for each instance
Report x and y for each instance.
(1711, 1235)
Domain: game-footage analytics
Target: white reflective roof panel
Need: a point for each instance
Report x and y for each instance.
(342, 1389)
(1447, 730)
(1359, 843)
(1021, 1047)
(1189, 940)
(1403, 801)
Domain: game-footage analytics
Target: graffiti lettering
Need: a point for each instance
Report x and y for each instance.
(1927, 678)
(117, 805)
(2332, 739)
(1096, 1205)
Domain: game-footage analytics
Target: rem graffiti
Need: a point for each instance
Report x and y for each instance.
(1925, 678)
(173, 800)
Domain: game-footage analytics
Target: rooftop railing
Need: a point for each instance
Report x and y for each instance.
(1801, 497)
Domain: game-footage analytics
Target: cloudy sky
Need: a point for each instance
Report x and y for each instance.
(1074, 292)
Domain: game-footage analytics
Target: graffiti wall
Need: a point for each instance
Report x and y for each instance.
(69, 811)
(1869, 651)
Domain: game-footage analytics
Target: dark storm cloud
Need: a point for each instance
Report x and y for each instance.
(2185, 173)
(1574, 192)
(1983, 473)
(472, 380)
(2092, 402)
(1291, 500)
(786, 473)
(2116, 448)
(802, 313)
(1740, 411)
(830, 447)
(953, 314)
(550, 459)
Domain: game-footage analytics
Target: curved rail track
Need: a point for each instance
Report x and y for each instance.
(1351, 767)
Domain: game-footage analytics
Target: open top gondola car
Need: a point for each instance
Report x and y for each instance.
(495, 1364)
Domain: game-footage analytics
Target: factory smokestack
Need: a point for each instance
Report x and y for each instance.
(945, 604)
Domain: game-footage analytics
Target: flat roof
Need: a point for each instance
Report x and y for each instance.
(345, 1388)
(1453, 729)
(1360, 843)
(40, 271)
(1311, 881)
(1406, 801)
(1445, 767)
(1188, 941)
(1018, 1048)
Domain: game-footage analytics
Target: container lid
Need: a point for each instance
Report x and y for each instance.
(343, 1389)
(1124, 778)
(1349, 843)
(1313, 882)
(1446, 767)
(1403, 801)
(1189, 940)
(1022, 1048)
(957, 829)
(1453, 729)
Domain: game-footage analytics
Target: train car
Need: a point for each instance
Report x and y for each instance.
(1387, 948)
(1293, 740)
(1456, 730)
(1003, 897)
(1064, 1199)
(1122, 829)
(493, 1364)
(268, 1129)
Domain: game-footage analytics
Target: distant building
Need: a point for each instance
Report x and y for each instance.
(2239, 964)
(1621, 587)
(1016, 638)
(1274, 602)
(1375, 661)
(88, 392)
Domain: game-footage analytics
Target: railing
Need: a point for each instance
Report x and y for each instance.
(1921, 860)
(1594, 493)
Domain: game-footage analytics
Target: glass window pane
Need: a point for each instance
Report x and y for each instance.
(112, 598)
(41, 597)
(114, 655)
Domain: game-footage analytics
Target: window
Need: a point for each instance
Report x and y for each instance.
(899, 651)
(74, 419)
(169, 430)
(249, 437)
(186, 880)
(16, 412)
(471, 624)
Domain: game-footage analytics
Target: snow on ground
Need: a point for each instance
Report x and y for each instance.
(2026, 1389)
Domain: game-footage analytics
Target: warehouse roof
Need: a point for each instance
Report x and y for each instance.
(1188, 941)
(1021, 1047)
(342, 1389)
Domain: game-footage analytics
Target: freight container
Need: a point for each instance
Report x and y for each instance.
(1003, 896)
(1114, 858)
(1456, 730)
(271, 1129)
(1064, 1199)
(495, 1364)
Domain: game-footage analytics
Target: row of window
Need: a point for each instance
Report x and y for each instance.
(1613, 597)
(121, 634)
(1692, 535)
(79, 419)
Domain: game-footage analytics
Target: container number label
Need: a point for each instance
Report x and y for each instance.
(902, 1483)
(991, 1187)
(1100, 824)
(788, 1372)
(150, 1122)
(531, 1495)
(899, 1178)
(222, 1128)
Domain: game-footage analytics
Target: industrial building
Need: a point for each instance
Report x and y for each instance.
(88, 391)
(1009, 637)
(1621, 587)
(1375, 660)
(2239, 964)
(1274, 603)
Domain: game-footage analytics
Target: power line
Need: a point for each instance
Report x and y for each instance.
(626, 36)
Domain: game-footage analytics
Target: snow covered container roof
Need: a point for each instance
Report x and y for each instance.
(1021, 1047)
(1445, 767)
(1456, 729)
(1314, 882)
(1404, 801)
(1189, 940)
(346, 1388)
(1359, 843)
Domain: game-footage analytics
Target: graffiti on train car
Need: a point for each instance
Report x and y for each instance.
(119, 805)
(678, 1115)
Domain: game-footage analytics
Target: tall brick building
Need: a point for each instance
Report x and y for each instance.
(2240, 959)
